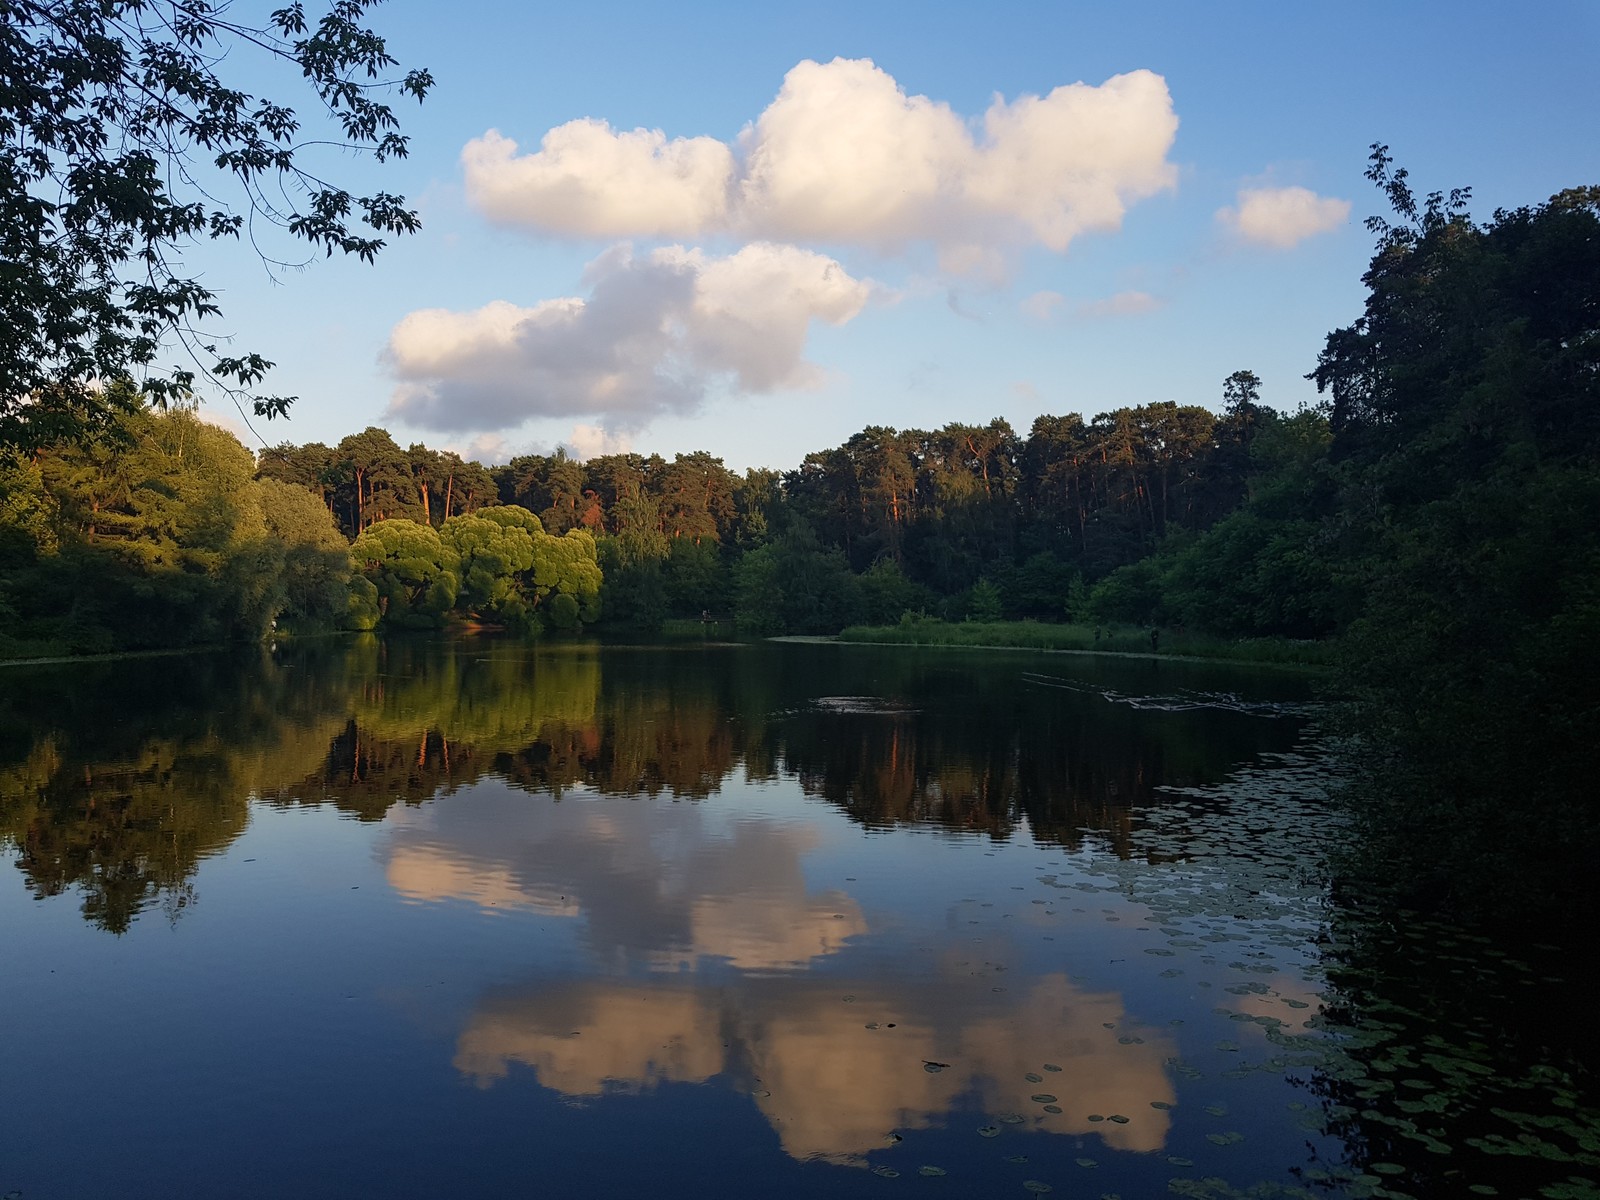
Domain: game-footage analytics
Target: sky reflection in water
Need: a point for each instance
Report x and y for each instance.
(608, 915)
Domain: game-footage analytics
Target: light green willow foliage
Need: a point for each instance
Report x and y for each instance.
(569, 566)
(413, 570)
(497, 564)
(493, 554)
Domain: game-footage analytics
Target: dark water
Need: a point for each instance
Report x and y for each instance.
(427, 919)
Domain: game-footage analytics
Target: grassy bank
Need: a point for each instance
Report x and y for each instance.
(1111, 639)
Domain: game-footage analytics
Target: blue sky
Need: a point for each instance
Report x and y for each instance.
(800, 244)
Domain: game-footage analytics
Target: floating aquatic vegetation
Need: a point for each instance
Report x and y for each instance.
(1183, 700)
(862, 706)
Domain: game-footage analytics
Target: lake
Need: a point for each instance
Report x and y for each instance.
(436, 917)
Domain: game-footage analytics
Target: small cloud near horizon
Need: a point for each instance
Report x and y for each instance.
(1281, 218)
(591, 441)
(231, 422)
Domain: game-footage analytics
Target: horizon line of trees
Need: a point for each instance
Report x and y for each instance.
(964, 520)
(189, 540)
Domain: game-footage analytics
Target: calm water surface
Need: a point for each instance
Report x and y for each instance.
(477, 919)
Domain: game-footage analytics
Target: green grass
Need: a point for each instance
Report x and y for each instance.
(1113, 639)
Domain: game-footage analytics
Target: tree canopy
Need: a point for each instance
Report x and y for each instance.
(122, 143)
(1466, 449)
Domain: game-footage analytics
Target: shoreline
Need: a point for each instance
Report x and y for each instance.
(1154, 656)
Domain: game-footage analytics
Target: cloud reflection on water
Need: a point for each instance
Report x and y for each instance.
(662, 886)
(831, 1084)
(708, 941)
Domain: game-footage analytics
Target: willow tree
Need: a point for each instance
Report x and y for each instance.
(410, 573)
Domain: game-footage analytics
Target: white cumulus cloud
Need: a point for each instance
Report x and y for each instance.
(588, 180)
(1282, 217)
(843, 155)
(654, 333)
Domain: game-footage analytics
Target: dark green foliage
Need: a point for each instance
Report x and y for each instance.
(887, 595)
(156, 538)
(983, 602)
(1041, 587)
(758, 593)
(917, 630)
(1466, 438)
(695, 578)
(564, 612)
(316, 560)
(107, 107)
(1134, 593)
(1267, 568)
(794, 585)
(634, 594)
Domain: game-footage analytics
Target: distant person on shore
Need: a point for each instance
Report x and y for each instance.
(1155, 641)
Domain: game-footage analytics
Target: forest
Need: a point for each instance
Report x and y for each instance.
(1433, 517)
(1162, 513)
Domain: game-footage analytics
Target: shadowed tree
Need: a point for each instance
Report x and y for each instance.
(1466, 440)
(121, 144)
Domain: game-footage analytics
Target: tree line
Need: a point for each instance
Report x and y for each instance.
(164, 531)
(967, 519)
(186, 539)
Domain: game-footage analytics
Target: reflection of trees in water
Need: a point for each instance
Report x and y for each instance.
(984, 751)
(424, 718)
(136, 770)
(124, 834)
(365, 775)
